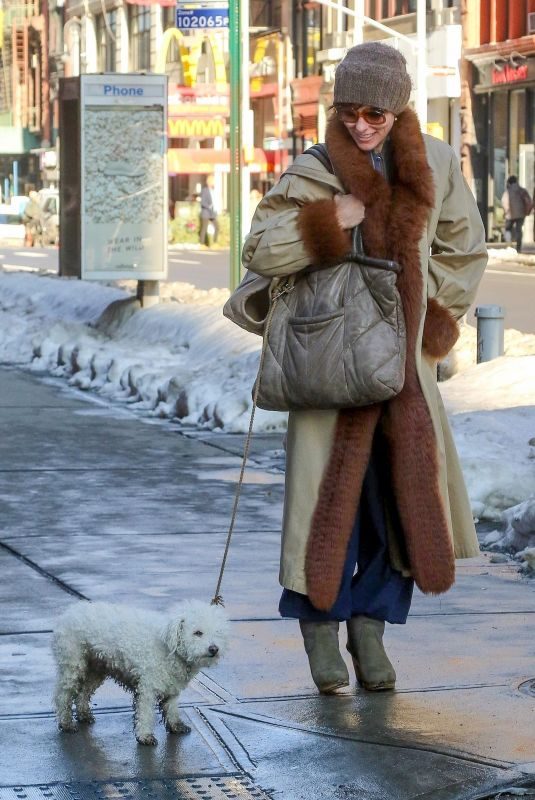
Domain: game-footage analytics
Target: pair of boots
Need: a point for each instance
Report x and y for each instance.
(365, 643)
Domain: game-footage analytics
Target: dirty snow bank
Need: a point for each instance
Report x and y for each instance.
(497, 254)
(464, 354)
(519, 534)
(491, 408)
(179, 359)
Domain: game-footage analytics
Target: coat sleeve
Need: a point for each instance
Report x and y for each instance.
(276, 244)
(458, 253)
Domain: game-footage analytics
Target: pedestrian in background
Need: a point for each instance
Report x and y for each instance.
(517, 205)
(30, 218)
(390, 471)
(208, 211)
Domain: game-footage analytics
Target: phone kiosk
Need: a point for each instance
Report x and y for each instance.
(113, 178)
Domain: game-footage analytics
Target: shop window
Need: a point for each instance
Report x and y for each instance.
(312, 39)
(179, 190)
(168, 17)
(517, 129)
(206, 64)
(139, 30)
(173, 60)
(106, 24)
(265, 14)
(409, 6)
(499, 157)
(527, 159)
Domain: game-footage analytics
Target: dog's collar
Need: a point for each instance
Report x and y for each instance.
(188, 665)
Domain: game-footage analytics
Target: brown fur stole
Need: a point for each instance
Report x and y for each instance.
(396, 218)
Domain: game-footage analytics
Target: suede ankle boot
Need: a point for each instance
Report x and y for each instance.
(327, 666)
(372, 665)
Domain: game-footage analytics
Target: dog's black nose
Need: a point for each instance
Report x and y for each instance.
(213, 650)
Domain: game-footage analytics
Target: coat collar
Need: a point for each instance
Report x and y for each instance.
(396, 218)
(411, 183)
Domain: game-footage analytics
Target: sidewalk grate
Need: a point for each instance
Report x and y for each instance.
(233, 787)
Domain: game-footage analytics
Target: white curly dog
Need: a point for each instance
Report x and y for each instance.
(152, 656)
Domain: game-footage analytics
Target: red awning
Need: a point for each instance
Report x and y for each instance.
(152, 2)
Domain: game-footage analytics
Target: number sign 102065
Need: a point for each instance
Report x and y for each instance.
(201, 18)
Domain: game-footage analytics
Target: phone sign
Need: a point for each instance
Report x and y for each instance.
(195, 19)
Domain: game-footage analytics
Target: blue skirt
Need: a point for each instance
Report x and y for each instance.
(376, 590)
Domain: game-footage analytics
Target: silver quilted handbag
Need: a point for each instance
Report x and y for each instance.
(334, 337)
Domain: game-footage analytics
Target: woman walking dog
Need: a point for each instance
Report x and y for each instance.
(375, 498)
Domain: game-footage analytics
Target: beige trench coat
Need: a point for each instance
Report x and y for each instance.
(451, 274)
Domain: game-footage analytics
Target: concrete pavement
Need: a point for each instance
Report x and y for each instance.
(97, 503)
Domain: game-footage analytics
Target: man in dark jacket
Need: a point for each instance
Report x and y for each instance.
(208, 212)
(517, 205)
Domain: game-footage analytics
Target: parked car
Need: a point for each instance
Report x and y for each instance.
(11, 226)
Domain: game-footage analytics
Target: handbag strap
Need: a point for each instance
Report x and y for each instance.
(278, 290)
(358, 256)
(320, 152)
(309, 172)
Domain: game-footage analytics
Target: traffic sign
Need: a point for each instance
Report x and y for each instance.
(191, 16)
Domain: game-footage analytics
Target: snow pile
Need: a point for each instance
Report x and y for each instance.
(464, 354)
(179, 359)
(183, 293)
(497, 254)
(492, 414)
(519, 534)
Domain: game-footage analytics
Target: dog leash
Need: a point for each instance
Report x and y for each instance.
(277, 293)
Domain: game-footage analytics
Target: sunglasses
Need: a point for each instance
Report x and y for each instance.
(352, 114)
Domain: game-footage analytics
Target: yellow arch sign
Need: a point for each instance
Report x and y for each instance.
(190, 51)
(178, 128)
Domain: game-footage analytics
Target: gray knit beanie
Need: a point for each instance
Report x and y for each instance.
(373, 74)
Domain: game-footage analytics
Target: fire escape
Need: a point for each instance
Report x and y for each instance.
(23, 77)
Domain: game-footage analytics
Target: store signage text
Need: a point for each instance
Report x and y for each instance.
(510, 74)
(182, 128)
(122, 91)
(188, 19)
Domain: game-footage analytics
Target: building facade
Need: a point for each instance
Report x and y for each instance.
(25, 125)
(323, 34)
(483, 105)
(502, 81)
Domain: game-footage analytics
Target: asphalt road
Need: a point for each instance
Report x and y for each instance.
(512, 286)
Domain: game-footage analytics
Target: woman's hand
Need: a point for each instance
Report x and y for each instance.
(349, 210)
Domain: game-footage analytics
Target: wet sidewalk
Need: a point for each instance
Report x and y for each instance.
(97, 503)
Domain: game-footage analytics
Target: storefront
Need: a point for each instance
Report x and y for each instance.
(305, 108)
(504, 117)
(269, 103)
(197, 137)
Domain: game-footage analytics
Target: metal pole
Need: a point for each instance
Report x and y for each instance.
(490, 332)
(358, 30)
(247, 125)
(421, 70)
(236, 150)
